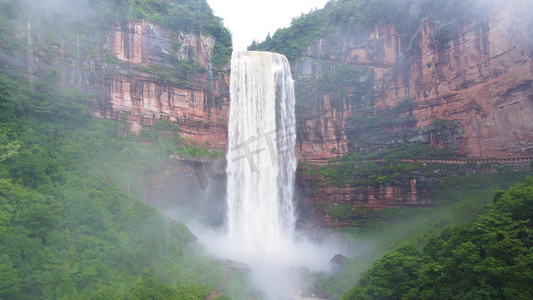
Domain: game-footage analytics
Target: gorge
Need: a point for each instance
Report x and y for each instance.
(261, 216)
(463, 87)
(406, 117)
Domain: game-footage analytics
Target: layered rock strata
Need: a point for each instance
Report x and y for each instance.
(139, 72)
(466, 88)
(477, 75)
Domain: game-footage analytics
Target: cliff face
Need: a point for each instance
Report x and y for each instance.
(149, 93)
(477, 76)
(348, 205)
(466, 88)
(136, 71)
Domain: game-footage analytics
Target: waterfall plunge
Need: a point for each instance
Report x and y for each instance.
(261, 159)
(261, 169)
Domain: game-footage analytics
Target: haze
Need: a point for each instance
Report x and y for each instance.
(250, 20)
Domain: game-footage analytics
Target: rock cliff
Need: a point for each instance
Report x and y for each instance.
(152, 88)
(136, 71)
(464, 87)
(475, 76)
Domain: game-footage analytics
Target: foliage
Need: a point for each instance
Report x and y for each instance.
(67, 231)
(353, 16)
(75, 18)
(221, 54)
(341, 82)
(294, 40)
(8, 12)
(189, 15)
(180, 74)
(363, 169)
(191, 148)
(457, 200)
(404, 263)
(368, 123)
(166, 125)
(489, 258)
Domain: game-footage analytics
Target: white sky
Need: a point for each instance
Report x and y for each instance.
(254, 19)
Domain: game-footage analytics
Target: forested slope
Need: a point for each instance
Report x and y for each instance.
(491, 258)
(68, 228)
(66, 231)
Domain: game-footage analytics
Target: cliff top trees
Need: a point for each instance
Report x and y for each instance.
(351, 16)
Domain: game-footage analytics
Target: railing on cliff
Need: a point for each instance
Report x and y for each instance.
(193, 147)
(450, 161)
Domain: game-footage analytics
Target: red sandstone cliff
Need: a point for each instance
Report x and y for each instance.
(141, 72)
(467, 89)
(199, 107)
(478, 80)
(480, 77)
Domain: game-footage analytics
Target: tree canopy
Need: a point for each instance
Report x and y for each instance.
(67, 231)
(350, 17)
(491, 258)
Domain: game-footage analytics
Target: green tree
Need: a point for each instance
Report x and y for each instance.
(9, 280)
(390, 277)
(491, 258)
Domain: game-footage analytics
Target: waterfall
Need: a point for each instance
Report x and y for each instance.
(211, 90)
(29, 56)
(261, 158)
(78, 75)
(261, 167)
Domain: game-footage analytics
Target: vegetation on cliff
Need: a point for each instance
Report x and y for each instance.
(341, 82)
(343, 17)
(67, 231)
(489, 258)
(459, 200)
(177, 15)
(64, 20)
(385, 167)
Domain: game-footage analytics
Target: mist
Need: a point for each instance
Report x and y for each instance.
(61, 15)
(278, 276)
(197, 197)
(85, 177)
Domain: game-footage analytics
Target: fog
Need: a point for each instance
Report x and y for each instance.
(275, 277)
(198, 199)
(251, 20)
(195, 193)
(63, 15)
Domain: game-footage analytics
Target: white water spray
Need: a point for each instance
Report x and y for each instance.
(261, 159)
(261, 170)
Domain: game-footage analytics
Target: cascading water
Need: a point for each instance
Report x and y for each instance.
(29, 56)
(261, 170)
(261, 158)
